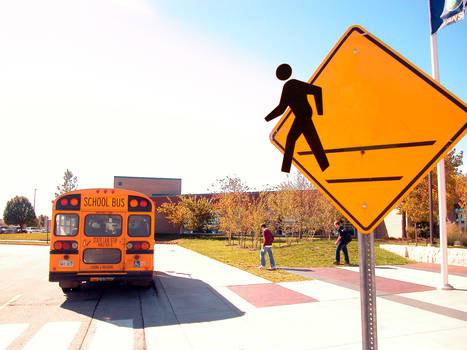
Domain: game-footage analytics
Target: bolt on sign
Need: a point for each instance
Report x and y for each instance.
(383, 125)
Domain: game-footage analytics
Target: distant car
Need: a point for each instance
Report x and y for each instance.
(32, 229)
(4, 229)
(19, 229)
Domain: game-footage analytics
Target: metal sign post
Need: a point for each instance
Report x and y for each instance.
(366, 252)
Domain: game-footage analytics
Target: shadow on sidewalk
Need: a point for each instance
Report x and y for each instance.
(174, 300)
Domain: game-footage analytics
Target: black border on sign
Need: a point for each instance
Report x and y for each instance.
(430, 164)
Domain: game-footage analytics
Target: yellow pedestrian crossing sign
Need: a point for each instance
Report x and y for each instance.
(382, 125)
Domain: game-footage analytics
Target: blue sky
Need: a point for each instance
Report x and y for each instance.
(174, 89)
(303, 32)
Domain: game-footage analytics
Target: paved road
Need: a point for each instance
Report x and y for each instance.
(200, 303)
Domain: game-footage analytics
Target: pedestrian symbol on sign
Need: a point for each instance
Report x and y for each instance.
(294, 95)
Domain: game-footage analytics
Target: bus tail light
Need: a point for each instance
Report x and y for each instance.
(69, 202)
(138, 247)
(139, 204)
(65, 247)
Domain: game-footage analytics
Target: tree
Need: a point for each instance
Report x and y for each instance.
(231, 205)
(19, 211)
(416, 203)
(70, 183)
(297, 206)
(200, 212)
(43, 221)
(299, 196)
(257, 214)
(191, 212)
(174, 213)
(461, 190)
(324, 214)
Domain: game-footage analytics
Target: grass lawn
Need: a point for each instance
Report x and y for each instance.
(307, 253)
(37, 236)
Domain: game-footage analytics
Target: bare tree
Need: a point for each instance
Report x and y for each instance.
(70, 183)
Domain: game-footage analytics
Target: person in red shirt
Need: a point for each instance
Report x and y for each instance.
(268, 238)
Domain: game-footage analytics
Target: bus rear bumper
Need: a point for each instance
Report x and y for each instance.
(102, 276)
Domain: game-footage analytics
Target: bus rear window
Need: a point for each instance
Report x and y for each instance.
(100, 225)
(139, 225)
(66, 225)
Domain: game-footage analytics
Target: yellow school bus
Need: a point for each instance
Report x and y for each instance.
(102, 235)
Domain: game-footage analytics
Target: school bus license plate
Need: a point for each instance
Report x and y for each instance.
(66, 263)
(101, 279)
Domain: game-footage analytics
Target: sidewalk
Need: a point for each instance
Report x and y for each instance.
(243, 311)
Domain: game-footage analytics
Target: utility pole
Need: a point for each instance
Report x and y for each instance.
(34, 206)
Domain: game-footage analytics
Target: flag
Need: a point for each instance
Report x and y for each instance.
(446, 12)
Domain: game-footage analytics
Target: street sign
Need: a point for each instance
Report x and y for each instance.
(384, 125)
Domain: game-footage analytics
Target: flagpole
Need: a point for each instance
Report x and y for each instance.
(443, 239)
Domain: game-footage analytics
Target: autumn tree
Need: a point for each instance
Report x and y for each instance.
(190, 212)
(231, 205)
(298, 207)
(70, 183)
(200, 212)
(256, 214)
(416, 203)
(299, 196)
(278, 210)
(323, 214)
(176, 214)
(461, 190)
(19, 211)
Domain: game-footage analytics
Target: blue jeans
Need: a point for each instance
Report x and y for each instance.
(342, 246)
(271, 258)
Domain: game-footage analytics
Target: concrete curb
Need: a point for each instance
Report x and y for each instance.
(456, 256)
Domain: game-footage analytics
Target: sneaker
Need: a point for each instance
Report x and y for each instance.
(273, 268)
(336, 262)
(347, 263)
(260, 267)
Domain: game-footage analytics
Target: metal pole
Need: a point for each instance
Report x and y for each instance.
(366, 253)
(35, 200)
(430, 199)
(443, 240)
(443, 237)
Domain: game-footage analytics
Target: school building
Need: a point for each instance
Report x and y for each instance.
(158, 189)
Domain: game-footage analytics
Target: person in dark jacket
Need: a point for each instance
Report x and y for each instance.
(341, 243)
(268, 238)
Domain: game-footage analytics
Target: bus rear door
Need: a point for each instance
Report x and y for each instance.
(103, 243)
